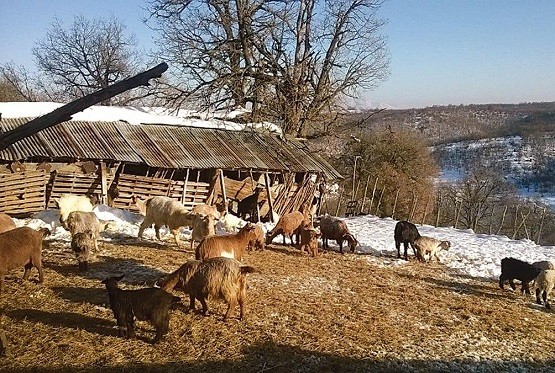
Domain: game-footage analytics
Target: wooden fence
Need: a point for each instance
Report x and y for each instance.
(23, 192)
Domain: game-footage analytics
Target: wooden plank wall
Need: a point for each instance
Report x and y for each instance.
(23, 192)
(73, 183)
(146, 186)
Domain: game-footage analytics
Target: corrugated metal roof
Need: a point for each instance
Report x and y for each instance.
(165, 146)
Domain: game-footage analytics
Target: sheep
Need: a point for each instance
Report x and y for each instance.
(71, 202)
(336, 229)
(6, 223)
(512, 268)
(148, 304)
(82, 243)
(405, 233)
(229, 246)
(258, 242)
(288, 225)
(166, 211)
(21, 247)
(545, 281)
(309, 240)
(220, 277)
(431, 246)
(204, 227)
(250, 205)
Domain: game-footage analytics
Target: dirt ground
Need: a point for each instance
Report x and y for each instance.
(336, 313)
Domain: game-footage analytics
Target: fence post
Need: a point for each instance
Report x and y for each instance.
(540, 228)
(365, 190)
(380, 200)
(438, 209)
(425, 210)
(373, 193)
(395, 203)
(502, 220)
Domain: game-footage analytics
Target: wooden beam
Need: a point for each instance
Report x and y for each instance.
(222, 185)
(103, 184)
(65, 112)
(185, 187)
(269, 194)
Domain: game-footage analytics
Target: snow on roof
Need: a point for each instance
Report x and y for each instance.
(137, 115)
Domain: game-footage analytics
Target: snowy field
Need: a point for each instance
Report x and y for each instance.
(475, 255)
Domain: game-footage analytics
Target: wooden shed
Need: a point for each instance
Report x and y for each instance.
(115, 160)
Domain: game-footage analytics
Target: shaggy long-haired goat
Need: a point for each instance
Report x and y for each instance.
(220, 277)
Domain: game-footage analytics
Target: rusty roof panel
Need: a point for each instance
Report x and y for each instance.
(200, 156)
(264, 152)
(242, 149)
(217, 148)
(116, 143)
(89, 141)
(167, 143)
(166, 146)
(144, 146)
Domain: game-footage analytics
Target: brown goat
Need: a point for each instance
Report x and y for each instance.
(288, 225)
(220, 277)
(229, 245)
(259, 240)
(336, 229)
(6, 223)
(309, 240)
(21, 247)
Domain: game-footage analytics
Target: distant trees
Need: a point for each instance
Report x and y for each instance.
(400, 165)
(291, 62)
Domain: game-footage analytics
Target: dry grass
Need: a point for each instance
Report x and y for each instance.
(349, 313)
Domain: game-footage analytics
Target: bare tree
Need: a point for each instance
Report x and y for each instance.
(17, 84)
(90, 55)
(290, 61)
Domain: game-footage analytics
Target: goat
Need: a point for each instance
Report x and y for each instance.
(82, 243)
(166, 211)
(405, 233)
(220, 277)
(203, 228)
(309, 240)
(21, 247)
(72, 202)
(249, 206)
(337, 230)
(512, 268)
(288, 225)
(6, 223)
(149, 304)
(229, 246)
(545, 281)
(431, 246)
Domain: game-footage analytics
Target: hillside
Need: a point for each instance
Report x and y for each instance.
(515, 141)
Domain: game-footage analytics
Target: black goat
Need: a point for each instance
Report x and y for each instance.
(512, 268)
(150, 304)
(405, 233)
(249, 206)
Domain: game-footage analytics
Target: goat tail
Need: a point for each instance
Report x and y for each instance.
(247, 269)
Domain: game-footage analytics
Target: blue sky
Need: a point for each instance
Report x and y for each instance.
(442, 51)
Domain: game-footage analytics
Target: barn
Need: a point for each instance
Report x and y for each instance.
(114, 153)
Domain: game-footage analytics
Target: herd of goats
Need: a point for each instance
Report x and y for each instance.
(217, 270)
